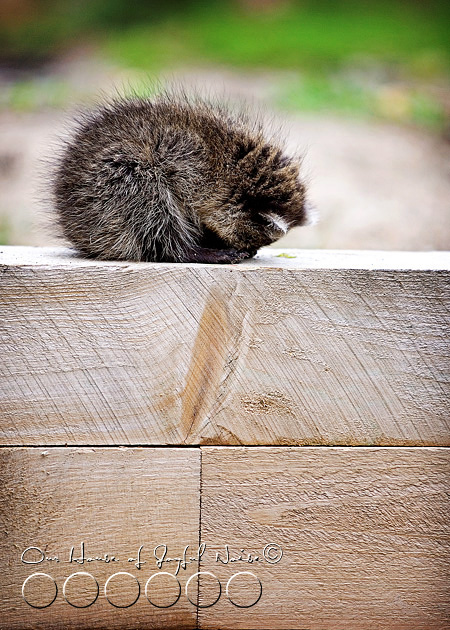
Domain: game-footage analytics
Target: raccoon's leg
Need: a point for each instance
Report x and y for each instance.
(213, 249)
(215, 256)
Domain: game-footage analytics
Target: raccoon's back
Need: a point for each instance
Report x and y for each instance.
(131, 180)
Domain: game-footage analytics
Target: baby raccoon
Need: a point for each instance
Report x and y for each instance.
(176, 180)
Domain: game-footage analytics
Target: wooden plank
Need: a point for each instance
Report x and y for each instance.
(324, 348)
(114, 500)
(364, 535)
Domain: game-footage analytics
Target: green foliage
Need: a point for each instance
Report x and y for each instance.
(54, 25)
(336, 93)
(346, 54)
(313, 35)
(302, 33)
(385, 42)
(32, 94)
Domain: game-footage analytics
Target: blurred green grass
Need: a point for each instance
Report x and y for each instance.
(373, 59)
(320, 35)
(31, 94)
(310, 34)
(331, 94)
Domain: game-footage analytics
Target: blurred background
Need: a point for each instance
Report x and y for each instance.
(361, 87)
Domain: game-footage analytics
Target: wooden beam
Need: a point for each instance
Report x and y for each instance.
(361, 536)
(318, 348)
(101, 503)
(363, 533)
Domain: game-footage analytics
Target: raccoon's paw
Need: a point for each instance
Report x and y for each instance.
(217, 256)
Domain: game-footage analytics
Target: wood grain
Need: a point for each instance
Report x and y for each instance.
(364, 534)
(324, 348)
(114, 500)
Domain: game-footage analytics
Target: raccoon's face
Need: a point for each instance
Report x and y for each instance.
(270, 207)
(257, 223)
(272, 195)
(265, 198)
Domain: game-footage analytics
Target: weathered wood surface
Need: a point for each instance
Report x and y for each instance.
(114, 500)
(364, 534)
(324, 348)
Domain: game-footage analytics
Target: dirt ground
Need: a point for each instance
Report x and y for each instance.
(376, 185)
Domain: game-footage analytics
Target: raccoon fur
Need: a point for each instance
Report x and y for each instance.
(174, 179)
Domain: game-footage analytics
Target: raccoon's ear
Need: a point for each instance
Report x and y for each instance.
(244, 149)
